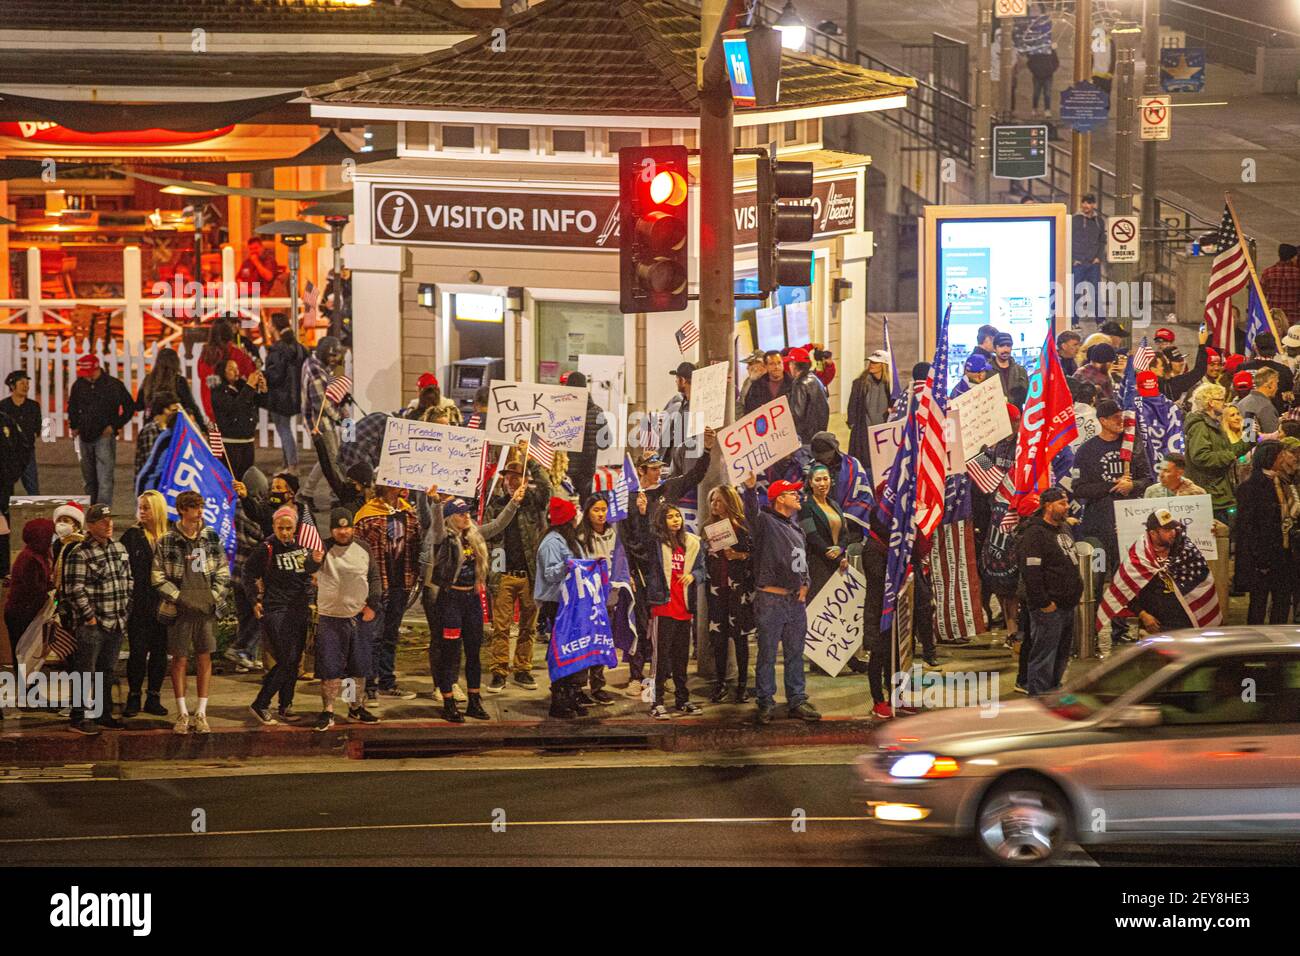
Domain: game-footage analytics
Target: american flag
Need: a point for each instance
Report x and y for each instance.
(1185, 567)
(475, 420)
(932, 470)
(1143, 356)
(541, 450)
(59, 642)
(309, 537)
(687, 336)
(215, 442)
(985, 472)
(1228, 275)
(338, 389)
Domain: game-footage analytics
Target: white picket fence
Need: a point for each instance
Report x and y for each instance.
(51, 363)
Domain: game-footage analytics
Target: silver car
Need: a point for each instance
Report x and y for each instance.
(1188, 736)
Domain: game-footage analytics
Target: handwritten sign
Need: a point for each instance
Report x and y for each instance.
(1196, 512)
(760, 439)
(555, 411)
(417, 455)
(796, 323)
(720, 535)
(883, 441)
(983, 415)
(835, 621)
(709, 394)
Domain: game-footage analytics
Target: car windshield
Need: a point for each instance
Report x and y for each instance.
(1104, 685)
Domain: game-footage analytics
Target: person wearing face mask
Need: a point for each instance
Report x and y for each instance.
(245, 650)
(69, 520)
(388, 528)
(30, 581)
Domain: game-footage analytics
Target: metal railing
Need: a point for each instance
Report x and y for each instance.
(1227, 39)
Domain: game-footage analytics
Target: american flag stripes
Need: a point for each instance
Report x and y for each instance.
(216, 444)
(1228, 275)
(1186, 569)
(932, 470)
(986, 474)
(1143, 356)
(687, 336)
(309, 537)
(541, 451)
(338, 389)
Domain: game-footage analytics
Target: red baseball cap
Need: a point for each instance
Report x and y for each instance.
(798, 355)
(1013, 412)
(778, 488)
(1148, 383)
(86, 365)
(1027, 504)
(1212, 355)
(1164, 335)
(1243, 380)
(427, 379)
(1233, 360)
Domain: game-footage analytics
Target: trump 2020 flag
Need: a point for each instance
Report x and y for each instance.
(1257, 319)
(1046, 428)
(582, 637)
(898, 506)
(617, 486)
(187, 464)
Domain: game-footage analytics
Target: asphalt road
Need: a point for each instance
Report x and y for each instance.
(675, 815)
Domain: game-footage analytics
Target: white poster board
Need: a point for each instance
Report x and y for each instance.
(883, 441)
(796, 324)
(517, 408)
(759, 440)
(418, 455)
(771, 329)
(607, 381)
(1196, 512)
(835, 621)
(720, 535)
(983, 415)
(709, 395)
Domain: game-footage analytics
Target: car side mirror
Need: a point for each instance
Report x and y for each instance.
(1138, 715)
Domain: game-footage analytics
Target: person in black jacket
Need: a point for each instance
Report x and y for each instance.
(808, 402)
(824, 526)
(26, 413)
(771, 386)
(234, 406)
(582, 464)
(284, 387)
(147, 635)
(99, 406)
(1267, 509)
(1053, 587)
(165, 378)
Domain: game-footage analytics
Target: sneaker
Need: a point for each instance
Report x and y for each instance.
(109, 722)
(497, 684)
(457, 694)
(690, 709)
(741, 695)
(361, 715)
(1021, 689)
(857, 665)
(525, 680)
(243, 669)
(579, 708)
(763, 715)
(719, 694)
(396, 693)
(584, 699)
(603, 697)
(287, 715)
(633, 689)
(87, 728)
(804, 711)
(153, 705)
(182, 725)
(882, 711)
(324, 722)
(660, 712)
(263, 715)
(243, 660)
(200, 724)
(132, 707)
(233, 654)
(372, 696)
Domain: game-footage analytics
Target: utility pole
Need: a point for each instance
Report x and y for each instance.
(1007, 55)
(717, 232)
(983, 97)
(851, 29)
(1081, 143)
(1126, 39)
(1151, 84)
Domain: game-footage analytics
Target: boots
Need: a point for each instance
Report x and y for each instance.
(132, 707)
(153, 705)
(575, 697)
(449, 711)
(475, 707)
(561, 703)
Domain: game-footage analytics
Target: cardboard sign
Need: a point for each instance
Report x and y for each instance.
(982, 416)
(720, 535)
(796, 323)
(1196, 512)
(835, 621)
(759, 440)
(883, 441)
(555, 411)
(709, 395)
(606, 376)
(418, 455)
(771, 328)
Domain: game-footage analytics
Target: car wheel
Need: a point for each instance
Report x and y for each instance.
(1023, 821)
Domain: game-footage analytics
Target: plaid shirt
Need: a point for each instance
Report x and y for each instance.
(174, 551)
(368, 437)
(315, 377)
(1281, 282)
(144, 443)
(97, 584)
(372, 532)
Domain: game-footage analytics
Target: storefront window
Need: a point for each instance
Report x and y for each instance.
(566, 330)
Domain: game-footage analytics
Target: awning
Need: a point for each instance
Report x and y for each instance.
(180, 117)
(329, 150)
(251, 193)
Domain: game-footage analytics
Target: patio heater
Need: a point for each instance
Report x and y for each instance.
(293, 234)
(336, 215)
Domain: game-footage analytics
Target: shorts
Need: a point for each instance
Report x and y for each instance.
(187, 631)
(342, 648)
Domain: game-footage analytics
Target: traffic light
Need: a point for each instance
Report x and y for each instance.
(780, 222)
(654, 223)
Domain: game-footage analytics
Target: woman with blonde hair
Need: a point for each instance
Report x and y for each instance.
(558, 476)
(147, 635)
(1213, 445)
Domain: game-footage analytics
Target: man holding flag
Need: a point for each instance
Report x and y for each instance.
(387, 527)
(323, 416)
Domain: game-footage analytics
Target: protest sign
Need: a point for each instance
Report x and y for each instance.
(883, 441)
(555, 411)
(1195, 512)
(418, 455)
(709, 395)
(796, 323)
(983, 415)
(606, 375)
(761, 438)
(835, 621)
(720, 535)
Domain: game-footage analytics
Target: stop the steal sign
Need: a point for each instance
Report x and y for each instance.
(760, 439)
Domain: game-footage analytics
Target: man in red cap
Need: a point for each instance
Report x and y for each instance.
(1242, 384)
(1165, 336)
(808, 400)
(781, 588)
(1148, 383)
(99, 406)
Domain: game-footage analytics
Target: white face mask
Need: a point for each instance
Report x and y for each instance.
(63, 529)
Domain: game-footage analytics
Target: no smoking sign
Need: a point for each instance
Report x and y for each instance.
(1122, 244)
(1155, 117)
(1012, 8)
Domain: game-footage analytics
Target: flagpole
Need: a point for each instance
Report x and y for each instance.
(1250, 265)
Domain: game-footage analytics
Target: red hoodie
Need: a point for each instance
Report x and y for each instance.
(31, 577)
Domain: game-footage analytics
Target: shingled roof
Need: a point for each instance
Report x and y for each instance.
(632, 57)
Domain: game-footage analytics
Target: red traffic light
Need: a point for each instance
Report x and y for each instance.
(654, 224)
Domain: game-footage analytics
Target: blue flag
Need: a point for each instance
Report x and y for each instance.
(582, 637)
(853, 491)
(1256, 318)
(185, 463)
(1162, 426)
(898, 505)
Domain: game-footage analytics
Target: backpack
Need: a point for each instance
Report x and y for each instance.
(447, 556)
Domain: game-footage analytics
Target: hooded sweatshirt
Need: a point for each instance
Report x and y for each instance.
(31, 578)
(286, 570)
(348, 581)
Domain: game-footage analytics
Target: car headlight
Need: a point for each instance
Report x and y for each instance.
(923, 765)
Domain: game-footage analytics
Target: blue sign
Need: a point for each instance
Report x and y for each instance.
(739, 70)
(582, 637)
(1084, 107)
(1182, 70)
(1032, 34)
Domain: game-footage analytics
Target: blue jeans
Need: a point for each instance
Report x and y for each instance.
(1088, 277)
(98, 459)
(288, 437)
(382, 637)
(1050, 651)
(30, 480)
(96, 656)
(783, 620)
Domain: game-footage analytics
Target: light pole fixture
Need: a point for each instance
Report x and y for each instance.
(336, 215)
(293, 234)
(794, 32)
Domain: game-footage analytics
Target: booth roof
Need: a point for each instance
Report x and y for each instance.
(634, 57)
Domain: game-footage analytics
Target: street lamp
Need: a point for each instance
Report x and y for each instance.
(336, 216)
(293, 234)
(794, 32)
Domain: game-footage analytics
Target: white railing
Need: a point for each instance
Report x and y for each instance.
(51, 363)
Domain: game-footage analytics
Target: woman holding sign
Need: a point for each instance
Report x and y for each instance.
(560, 544)
(731, 595)
(597, 538)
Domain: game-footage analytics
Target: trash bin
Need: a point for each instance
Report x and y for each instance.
(1085, 615)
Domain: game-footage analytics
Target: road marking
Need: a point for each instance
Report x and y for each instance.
(426, 826)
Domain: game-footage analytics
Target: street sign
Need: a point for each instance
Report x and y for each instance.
(1182, 70)
(1155, 117)
(1012, 8)
(1084, 107)
(1122, 244)
(1020, 152)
